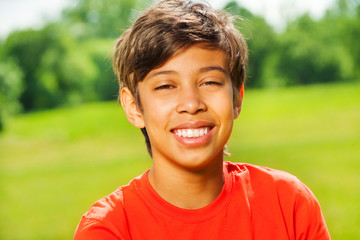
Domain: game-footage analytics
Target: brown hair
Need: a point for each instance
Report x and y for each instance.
(169, 26)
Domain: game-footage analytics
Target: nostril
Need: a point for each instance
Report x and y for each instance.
(191, 107)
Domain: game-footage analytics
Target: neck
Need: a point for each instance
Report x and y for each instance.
(188, 189)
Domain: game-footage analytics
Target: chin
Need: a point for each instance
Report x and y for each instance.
(198, 163)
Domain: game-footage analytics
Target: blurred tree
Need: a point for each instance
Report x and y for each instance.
(25, 47)
(307, 53)
(10, 89)
(260, 39)
(56, 69)
(100, 19)
(322, 51)
(96, 24)
(100, 50)
(347, 15)
(66, 62)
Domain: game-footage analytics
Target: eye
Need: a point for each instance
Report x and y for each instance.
(212, 83)
(165, 86)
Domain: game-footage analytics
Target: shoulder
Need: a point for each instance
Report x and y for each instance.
(271, 184)
(106, 218)
(113, 204)
(265, 177)
(105, 207)
(272, 191)
(259, 171)
(103, 219)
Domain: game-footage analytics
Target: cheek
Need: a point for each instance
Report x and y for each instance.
(223, 109)
(156, 112)
(224, 103)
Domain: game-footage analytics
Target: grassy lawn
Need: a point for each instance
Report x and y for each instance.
(55, 164)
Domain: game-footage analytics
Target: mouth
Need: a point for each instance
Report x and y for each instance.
(192, 132)
(193, 129)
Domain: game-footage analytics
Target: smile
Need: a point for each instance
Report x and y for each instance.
(192, 133)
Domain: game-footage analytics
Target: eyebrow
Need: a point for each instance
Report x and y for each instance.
(202, 70)
(214, 68)
(166, 72)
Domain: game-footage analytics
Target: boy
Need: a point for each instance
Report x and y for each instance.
(181, 68)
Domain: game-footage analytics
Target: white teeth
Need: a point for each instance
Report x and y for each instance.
(183, 133)
(192, 133)
(201, 132)
(196, 133)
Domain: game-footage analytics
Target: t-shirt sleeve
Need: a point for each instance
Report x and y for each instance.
(308, 218)
(104, 220)
(94, 229)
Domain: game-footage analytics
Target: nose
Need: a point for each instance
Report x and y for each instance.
(190, 101)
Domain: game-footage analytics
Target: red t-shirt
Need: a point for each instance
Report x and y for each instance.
(255, 203)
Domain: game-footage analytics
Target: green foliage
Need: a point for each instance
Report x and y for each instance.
(100, 19)
(68, 62)
(307, 52)
(260, 39)
(25, 47)
(321, 51)
(56, 69)
(346, 18)
(10, 89)
(306, 55)
(71, 157)
(105, 84)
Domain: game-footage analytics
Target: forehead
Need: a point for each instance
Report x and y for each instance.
(193, 58)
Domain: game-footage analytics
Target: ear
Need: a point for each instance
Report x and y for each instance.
(132, 111)
(238, 103)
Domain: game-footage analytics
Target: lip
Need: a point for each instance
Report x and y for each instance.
(197, 124)
(197, 141)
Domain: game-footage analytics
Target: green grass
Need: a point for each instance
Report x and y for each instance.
(55, 164)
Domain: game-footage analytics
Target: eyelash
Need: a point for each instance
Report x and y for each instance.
(166, 86)
(212, 83)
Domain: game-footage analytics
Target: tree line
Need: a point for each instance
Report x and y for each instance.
(68, 62)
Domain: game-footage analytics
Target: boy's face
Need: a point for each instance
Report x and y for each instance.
(187, 108)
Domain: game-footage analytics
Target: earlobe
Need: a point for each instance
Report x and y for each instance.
(237, 111)
(238, 103)
(133, 113)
